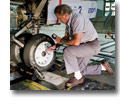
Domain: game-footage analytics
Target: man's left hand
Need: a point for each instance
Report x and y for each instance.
(58, 39)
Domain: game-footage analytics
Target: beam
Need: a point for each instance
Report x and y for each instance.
(39, 9)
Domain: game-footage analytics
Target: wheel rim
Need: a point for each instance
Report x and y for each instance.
(43, 57)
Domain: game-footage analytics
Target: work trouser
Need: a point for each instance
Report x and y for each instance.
(77, 57)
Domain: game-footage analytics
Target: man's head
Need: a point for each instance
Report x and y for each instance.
(63, 12)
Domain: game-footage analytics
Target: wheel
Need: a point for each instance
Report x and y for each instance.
(35, 54)
(15, 53)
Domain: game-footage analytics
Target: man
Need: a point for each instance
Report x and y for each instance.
(81, 37)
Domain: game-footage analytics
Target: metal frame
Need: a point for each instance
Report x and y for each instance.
(31, 23)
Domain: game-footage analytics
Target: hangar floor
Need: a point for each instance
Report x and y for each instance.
(96, 82)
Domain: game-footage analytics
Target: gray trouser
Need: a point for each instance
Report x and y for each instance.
(77, 57)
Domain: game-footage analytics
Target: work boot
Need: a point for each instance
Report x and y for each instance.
(107, 67)
(73, 82)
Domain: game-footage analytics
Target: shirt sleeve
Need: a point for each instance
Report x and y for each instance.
(78, 25)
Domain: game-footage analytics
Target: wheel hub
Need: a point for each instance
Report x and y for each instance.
(44, 53)
(43, 57)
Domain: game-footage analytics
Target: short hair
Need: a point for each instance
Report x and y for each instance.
(63, 9)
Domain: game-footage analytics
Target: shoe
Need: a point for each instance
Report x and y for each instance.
(107, 67)
(73, 82)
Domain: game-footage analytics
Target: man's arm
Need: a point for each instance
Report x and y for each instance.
(66, 36)
(75, 41)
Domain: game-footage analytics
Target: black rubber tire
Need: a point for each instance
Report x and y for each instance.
(29, 51)
(15, 53)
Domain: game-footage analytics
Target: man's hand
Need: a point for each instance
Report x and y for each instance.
(58, 39)
(52, 48)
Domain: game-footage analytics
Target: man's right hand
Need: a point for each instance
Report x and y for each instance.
(52, 48)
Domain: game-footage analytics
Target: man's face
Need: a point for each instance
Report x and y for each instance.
(63, 18)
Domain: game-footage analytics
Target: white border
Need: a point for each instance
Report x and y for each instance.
(53, 97)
